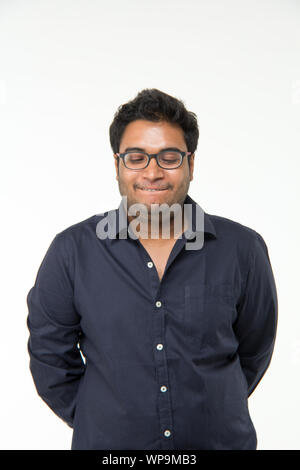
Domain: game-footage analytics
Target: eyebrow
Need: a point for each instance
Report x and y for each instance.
(138, 149)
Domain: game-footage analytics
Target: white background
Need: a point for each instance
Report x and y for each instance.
(65, 67)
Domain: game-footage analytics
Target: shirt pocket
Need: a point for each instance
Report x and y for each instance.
(208, 312)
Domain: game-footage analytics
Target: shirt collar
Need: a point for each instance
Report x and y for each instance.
(118, 221)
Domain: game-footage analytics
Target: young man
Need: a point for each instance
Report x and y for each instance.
(137, 340)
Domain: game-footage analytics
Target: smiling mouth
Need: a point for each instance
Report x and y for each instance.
(153, 190)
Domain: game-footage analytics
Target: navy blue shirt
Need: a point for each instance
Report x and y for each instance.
(130, 361)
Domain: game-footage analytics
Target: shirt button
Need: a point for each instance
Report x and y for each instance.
(158, 304)
(163, 388)
(159, 347)
(167, 433)
(150, 264)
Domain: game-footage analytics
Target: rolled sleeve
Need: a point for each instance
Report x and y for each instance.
(56, 364)
(256, 323)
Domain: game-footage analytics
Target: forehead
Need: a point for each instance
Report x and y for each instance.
(152, 135)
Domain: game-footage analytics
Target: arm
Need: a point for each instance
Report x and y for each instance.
(256, 324)
(56, 364)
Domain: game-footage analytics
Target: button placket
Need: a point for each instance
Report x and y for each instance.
(164, 400)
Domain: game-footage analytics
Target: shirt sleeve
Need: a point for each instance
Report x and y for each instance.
(56, 363)
(256, 323)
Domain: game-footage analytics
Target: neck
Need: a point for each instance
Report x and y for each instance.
(157, 228)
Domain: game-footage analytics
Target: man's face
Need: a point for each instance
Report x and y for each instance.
(153, 137)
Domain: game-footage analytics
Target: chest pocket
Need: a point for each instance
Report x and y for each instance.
(208, 312)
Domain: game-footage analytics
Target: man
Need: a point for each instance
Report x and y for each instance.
(137, 341)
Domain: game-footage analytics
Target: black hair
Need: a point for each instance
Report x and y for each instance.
(154, 105)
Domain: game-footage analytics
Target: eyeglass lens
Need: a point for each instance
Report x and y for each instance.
(136, 160)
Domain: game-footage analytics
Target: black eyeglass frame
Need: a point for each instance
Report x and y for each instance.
(153, 155)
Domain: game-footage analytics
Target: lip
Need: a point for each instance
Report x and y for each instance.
(153, 189)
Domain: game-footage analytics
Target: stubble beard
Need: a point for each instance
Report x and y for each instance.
(152, 222)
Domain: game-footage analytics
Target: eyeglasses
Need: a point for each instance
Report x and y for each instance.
(166, 159)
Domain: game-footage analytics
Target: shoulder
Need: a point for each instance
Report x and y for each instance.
(236, 233)
(81, 231)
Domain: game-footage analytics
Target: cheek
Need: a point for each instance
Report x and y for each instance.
(127, 181)
(124, 175)
(183, 179)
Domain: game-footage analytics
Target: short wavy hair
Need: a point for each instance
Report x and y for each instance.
(154, 105)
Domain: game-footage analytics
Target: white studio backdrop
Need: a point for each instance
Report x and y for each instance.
(65, 67)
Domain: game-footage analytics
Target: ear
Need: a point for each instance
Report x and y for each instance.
(117, 159)
(192, 166)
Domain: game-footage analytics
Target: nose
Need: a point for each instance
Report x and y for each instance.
(153, 170)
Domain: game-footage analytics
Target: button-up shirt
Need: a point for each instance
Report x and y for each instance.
(132, 361)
